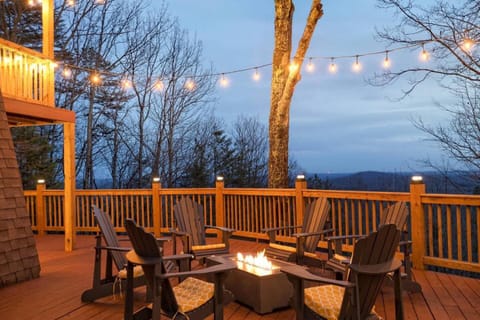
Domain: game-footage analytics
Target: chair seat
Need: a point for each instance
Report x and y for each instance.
(292, 250)
(192, 293)
(137, 272)
(208, 246)
(327, 301)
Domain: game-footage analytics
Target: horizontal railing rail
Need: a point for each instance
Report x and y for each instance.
(26, 74)
(444, 229)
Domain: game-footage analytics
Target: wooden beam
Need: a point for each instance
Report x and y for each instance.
(69, 180)
(19, 112)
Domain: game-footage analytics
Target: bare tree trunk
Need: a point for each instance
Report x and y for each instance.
(284, 80)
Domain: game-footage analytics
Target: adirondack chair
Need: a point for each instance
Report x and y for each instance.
(111, 282)
(191, 229)
(372, 259)
(310, 232)
(395, 214)
(191, 299)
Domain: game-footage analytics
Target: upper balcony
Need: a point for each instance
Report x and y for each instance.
(27, 83)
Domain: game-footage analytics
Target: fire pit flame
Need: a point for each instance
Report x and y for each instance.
(259, 261)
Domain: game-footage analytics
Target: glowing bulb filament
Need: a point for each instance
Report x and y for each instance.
(310, 66)
(189, 84)
(256, 75)
(356, 67)
(67, 73)
(95, 79)
(126, 84)
(158, 85)
(333, 66)
(468, 44)
(386, 61)
(224, 81)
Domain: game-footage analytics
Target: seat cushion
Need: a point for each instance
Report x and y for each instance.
(137, 272)
(325, 300)
(209, 246)
(192, 293)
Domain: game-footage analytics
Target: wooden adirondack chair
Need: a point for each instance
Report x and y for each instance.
(192, 230)
(395, 214)
(307, 237)
(191, 299)
(110, 282)
(106, 282)
(372, 259)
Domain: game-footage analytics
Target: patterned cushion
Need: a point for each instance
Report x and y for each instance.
(192, 293)
(325, 300)
(208, 246)
(137, 272)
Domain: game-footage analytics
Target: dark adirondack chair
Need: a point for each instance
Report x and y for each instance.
(307, 236)
(111, 280)
(191, 299)
(396, 214)
(192, 230)
(372, 259)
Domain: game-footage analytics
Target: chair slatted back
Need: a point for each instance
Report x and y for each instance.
(146, 246)
(109, 237)
(314, 219)
(378, 247)
(396, 214)
(189, 219)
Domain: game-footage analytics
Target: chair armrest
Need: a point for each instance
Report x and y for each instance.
(178, 257)
(267, 230)
(377, 268)
(309, 234)
(302, 273)
(224, 229)
(217, 268)
(121, 249)
(346, 237)
(176, 232)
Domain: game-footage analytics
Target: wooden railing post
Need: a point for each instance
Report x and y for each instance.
(219, 208)
(417, 188)
(157, 207)
(300, 185)
(40, 208)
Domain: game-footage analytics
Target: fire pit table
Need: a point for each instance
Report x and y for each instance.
(261, 289)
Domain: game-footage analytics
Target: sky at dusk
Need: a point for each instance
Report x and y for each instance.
(338, 122)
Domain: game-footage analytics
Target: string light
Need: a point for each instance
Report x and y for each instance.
(424, 55)
(71, 3)
(333, 66)
(126, 84)
(386, 62)
(356, 66)
(310, 66)
(189, 84)
(224, 81)
(158, 85)
(256, 75)
(293, 67)
(467, 44)
(95, 79)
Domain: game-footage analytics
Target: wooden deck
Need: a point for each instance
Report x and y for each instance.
(64, 276)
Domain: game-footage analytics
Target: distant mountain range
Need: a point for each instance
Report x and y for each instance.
(455, 182)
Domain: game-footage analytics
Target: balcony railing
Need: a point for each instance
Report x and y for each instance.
(26, 74)
(445, 229)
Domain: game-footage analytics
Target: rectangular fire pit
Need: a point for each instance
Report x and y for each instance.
(263, 290)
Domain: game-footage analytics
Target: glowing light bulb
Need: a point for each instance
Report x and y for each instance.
(386, 62)
(310, 66)
(333, 66)
(424, 56)
(71, 3)
(468, 44)
(67, 73)
(224, 81)
(158, 85)
(189, 84)
(357, 66)
(95, 79)
(293, 67)
(256, 75)
(126, 84)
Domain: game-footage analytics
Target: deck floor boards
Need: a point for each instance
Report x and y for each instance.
(64, 276)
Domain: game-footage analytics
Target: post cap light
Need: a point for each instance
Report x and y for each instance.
(41, 181)
(300, 177)
(219, 178)
(417, 179)
(156, 179)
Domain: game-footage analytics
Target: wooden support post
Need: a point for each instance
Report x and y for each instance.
(219, 204)
(300, 185)
(157, 207)
(48, 38)
(417, 188)
(69, 178)
(40, 208)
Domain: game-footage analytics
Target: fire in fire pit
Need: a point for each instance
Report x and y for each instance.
(259, 264)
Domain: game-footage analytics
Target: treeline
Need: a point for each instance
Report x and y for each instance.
(149, 112)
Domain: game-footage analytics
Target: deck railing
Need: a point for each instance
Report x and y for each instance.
(26, 74)
(444, 229)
